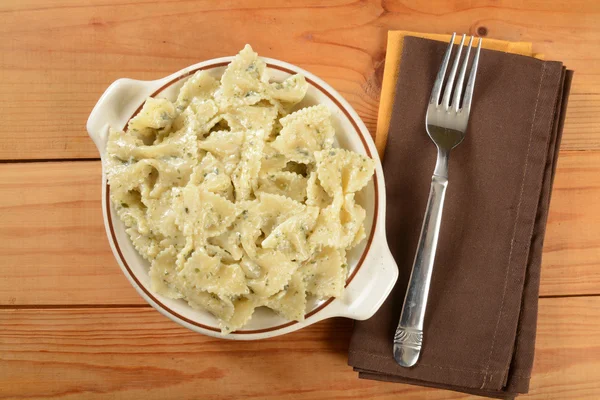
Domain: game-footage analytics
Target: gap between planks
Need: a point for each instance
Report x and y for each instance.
(45, 160)
(112, 306)
(68, 306)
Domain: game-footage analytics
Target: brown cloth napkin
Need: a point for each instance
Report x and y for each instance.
(479, 333)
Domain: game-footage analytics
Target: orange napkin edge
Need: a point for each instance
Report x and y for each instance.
(393, 56)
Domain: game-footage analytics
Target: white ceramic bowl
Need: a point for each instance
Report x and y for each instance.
(372, 270)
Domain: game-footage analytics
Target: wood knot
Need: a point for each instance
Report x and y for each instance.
(96, 21)
(482, 31)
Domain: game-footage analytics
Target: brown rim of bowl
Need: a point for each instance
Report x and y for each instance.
(312, 312)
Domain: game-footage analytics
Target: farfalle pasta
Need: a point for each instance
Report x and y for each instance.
(236, 201)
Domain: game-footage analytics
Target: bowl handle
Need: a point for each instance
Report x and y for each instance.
(371, 287)
(120, 100)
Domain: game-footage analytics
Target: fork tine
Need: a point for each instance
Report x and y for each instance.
(461, 78)
(450, 83)
(439, 80)
(471, 84)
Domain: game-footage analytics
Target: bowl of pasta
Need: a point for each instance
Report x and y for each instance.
(243, 197)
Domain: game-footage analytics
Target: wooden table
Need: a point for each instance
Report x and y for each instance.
(72, 327)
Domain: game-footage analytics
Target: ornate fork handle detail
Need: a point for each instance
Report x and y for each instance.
(408, 338)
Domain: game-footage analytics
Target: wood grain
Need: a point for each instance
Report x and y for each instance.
(572, 244)
(58, 56)
(71, 325)
(53, 247)
(137, 353)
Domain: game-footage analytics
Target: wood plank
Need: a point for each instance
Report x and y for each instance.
(572, 244)
(567, 349)
(53, 247)
(137, 353)
(58, 56)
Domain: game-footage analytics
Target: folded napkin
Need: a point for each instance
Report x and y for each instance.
(479, 333)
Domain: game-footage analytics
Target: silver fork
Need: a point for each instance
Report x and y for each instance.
(446, 125)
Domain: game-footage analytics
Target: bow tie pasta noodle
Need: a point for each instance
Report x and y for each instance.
(236, 201)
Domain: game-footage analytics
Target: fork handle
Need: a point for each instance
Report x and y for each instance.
(409, 334)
